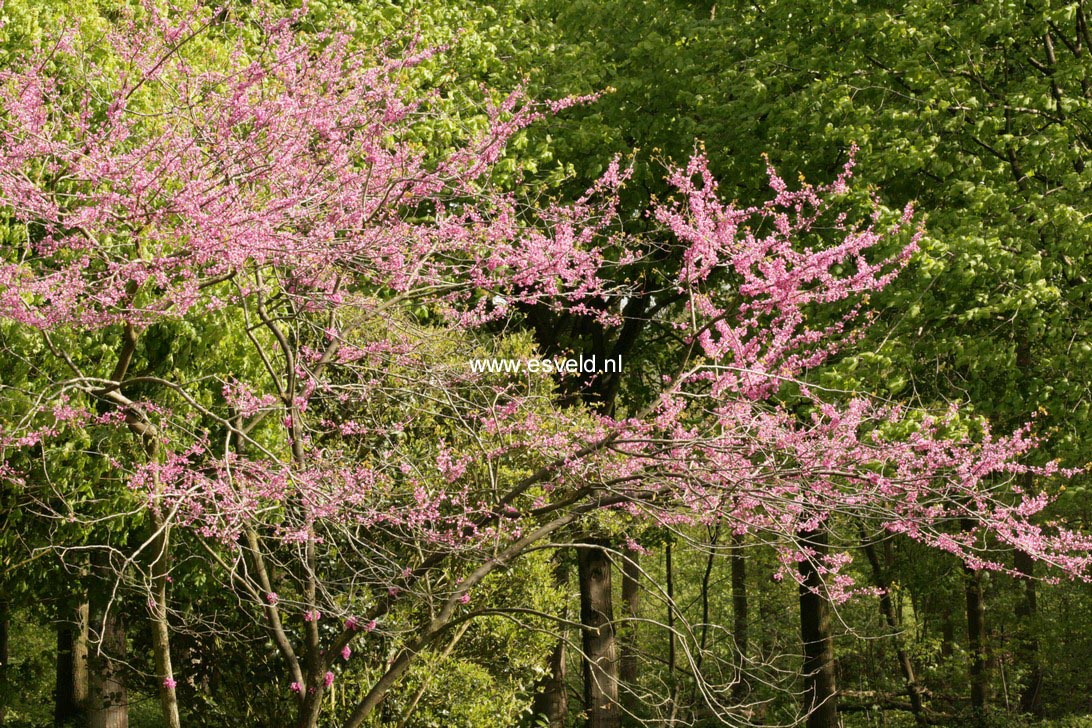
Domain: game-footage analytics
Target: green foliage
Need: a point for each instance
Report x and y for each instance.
(25, 690)
(957, 106)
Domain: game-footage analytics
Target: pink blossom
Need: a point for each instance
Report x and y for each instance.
(289, 190)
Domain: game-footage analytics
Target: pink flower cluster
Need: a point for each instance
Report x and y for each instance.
(284, 198)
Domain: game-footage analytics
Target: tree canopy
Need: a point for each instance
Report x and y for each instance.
(296, 303)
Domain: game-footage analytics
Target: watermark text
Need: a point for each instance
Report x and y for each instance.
(556, 365)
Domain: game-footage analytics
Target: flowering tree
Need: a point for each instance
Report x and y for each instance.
(348, 475)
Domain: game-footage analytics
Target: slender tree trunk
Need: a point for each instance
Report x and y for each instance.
(600, 651)
(631, 599)
(697, 698)
(70, 689)
(1026, 612)
(81, 691)
(311, 707)
(5, 620)
(552, 699)
(740, 620)
(976, 640)
(64, 702)
(706, 576)
(1028, 648)
(672, 680)
(887, 609)
(767, 646)
(108, 704)
(947, 634)
(161, 631)
(820, 691)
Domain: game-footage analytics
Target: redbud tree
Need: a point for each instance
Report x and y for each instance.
(348, 474)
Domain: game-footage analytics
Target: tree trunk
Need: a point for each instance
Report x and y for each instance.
(161, 644)
(698, 699)
(740, 621)
(976, 640)
(108, 704)
(311, 707)
(1027, 648)
(887, 609)
(669, 573)
(64, 702)
(947, 634)
(1028, 645)
(551, 702)
(5, 619)
(70, 689)
(600, 658)
(820, 691)
(631, 599)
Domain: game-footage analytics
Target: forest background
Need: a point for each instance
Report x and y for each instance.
(116, 610)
